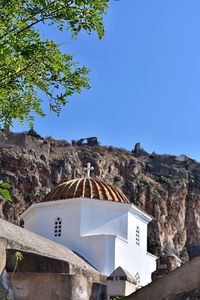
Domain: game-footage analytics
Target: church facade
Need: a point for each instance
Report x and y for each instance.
(97, 222)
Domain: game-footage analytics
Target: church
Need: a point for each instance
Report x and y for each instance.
(96, 221)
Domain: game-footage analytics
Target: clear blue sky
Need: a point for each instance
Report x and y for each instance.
(145, 77)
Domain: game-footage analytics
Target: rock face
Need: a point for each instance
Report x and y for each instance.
(165, 186)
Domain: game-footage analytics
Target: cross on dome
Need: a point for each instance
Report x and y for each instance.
(88, 169)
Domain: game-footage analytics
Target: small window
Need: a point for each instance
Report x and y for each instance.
(110, 278)
(137, 239)
(58, 227)
(122, 278)
(137, 279)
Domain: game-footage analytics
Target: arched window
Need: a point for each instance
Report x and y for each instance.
(58, 227)
(137, 278)
(137, 236)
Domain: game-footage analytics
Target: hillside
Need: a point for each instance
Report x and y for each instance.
(165, 186)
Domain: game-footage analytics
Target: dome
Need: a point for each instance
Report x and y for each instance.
(86, 188)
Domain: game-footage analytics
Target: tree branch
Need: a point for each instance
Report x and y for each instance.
(32, 62)
(36, 22)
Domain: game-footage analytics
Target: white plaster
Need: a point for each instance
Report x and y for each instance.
(96, 218)
(117, 287)
(129, 288)
(103, 232)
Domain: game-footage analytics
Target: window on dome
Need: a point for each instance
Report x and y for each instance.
(58, 227)
(137, 236)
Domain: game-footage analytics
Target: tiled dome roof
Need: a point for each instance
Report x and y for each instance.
(86, 188)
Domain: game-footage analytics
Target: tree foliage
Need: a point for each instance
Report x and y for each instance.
(4, 191)
(29, 64)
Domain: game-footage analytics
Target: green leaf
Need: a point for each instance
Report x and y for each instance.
(4, 191)
(29, 64)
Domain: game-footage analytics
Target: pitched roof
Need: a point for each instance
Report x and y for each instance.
(123, 273)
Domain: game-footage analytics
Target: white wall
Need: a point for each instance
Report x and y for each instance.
(136, 258)
(133, 222)
(101, 231)
(104, 217)
(116, 287)
(31, 223)
(99, 251)
(129, 288)
(42, 221)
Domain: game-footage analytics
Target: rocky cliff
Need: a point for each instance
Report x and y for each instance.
(165, 186)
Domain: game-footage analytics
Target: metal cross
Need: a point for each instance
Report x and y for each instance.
(88, 169)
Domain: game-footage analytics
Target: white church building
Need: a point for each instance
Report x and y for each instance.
(98, 222)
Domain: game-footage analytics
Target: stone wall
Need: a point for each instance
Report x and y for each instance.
(181, 284)
(55, 286)
(4, 286)
(3, 273)
(2, 256)
(31, 286)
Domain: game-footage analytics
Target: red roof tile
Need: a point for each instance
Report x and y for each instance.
(86, 188)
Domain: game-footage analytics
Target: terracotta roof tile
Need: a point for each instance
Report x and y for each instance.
(86, 188)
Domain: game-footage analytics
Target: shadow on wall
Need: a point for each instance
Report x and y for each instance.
(99, 291)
